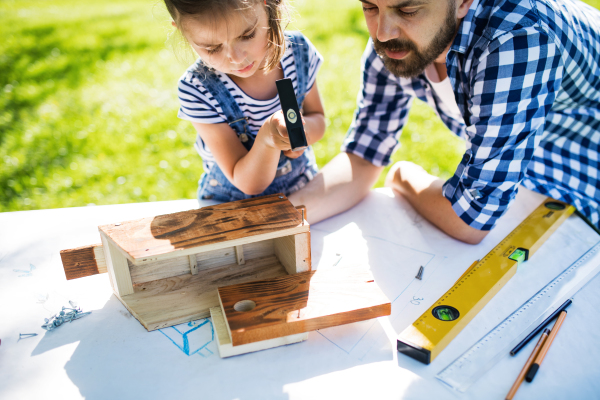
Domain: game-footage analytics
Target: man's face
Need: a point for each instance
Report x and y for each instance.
(409, 35)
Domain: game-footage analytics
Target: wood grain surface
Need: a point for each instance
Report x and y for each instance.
(148, 238)
(302, 302)
(188, 297)
(83, 261)
(226, 349)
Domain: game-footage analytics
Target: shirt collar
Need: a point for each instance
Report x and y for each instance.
(464, 30)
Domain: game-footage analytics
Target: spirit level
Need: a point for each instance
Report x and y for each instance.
(436, 328)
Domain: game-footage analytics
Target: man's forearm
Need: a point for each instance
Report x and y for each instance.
(424, 192)
(340, 185)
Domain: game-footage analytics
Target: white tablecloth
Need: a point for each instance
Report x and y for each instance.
(109, 355)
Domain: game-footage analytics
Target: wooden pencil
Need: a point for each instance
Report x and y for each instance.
(532, 357)
(544, 350)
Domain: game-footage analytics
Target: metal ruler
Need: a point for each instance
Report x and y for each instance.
(496, 344)
(439, 325)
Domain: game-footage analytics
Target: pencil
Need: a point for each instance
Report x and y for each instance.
(521, 377)
(540, 327)
(540, 357)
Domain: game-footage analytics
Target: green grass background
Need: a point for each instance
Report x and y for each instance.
(88, 102)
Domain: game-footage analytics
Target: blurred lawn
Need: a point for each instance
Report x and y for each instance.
(88, 102)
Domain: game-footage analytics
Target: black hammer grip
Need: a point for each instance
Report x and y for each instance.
(291, 113)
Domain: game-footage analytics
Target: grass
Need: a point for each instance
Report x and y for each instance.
(88, 102)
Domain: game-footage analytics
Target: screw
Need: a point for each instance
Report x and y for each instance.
(281, 197)
(26, 335)
(420, 273)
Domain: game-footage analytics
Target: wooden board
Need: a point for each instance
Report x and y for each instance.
(302, 302)
(83, 261)
(118, 268)
(226, 349)
(171, 301)
(208, 228)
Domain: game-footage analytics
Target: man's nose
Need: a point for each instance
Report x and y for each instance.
(387, 27)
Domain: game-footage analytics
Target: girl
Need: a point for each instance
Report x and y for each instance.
(230, 96)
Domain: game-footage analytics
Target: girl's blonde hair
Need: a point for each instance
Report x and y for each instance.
(277, 14)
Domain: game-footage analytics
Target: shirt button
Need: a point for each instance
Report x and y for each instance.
(213, 182)
(244, 138)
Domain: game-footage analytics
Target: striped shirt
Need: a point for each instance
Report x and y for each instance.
(198, 105)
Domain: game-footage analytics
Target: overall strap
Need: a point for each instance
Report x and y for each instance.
(233, 113)
(300, 50)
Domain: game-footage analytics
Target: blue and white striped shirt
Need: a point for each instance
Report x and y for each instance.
(526, 79)
(198, 105)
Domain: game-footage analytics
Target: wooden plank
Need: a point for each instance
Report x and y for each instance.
(193, 264)
(239, 255)
(301, 303)
(160, 269)
(83, 261)
(180, 265)
(171, 301)
(294, 252)
(209, 228)
(216, 258)
(226, 349)
(100, 260)
(118, 268)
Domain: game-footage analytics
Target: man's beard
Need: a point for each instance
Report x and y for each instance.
(416, 61)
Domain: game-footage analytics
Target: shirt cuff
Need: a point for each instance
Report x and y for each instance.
(372, 147)
(477, 211)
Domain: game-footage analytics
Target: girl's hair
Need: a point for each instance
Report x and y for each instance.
(277, 14)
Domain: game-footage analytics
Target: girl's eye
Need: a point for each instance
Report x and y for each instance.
(249, 36)
(214, 50)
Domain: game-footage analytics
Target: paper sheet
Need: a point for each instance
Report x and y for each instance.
(108, 354)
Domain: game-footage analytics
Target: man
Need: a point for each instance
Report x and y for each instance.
(518, 79)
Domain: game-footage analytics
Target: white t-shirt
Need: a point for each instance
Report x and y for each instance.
(443, 89)
(198, 105)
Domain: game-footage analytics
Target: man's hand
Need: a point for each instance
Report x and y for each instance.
(424, 192)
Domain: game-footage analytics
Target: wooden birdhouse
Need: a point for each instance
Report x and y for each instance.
(249, 261)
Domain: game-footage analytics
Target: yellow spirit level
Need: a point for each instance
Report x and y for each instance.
(436, 328)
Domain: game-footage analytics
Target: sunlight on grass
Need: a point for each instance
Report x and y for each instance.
(88, 102)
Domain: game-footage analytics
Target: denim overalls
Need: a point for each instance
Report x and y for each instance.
(292, 174)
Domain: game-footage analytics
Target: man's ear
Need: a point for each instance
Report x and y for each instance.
(175, 25)
(463, 8)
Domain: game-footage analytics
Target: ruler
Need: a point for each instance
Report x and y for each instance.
(439, 325)
(496, 344)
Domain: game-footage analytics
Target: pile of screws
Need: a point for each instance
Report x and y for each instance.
(65, 315)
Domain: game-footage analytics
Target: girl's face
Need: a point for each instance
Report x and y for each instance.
(235, 45)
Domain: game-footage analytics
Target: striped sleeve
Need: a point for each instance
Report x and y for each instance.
(196, 103)
(315, 59)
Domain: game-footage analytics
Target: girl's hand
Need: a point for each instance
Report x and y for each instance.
(293, 154)
(276, 134)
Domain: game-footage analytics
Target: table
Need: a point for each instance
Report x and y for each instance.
(108, 354)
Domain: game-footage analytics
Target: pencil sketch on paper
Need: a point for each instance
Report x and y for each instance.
(193, 337)
(25, 273)
(397, 280)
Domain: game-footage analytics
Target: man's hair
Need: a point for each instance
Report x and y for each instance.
(277, 14)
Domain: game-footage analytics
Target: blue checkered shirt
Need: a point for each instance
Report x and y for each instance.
(526, 79)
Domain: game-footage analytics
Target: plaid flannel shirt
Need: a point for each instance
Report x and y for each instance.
(526, 79)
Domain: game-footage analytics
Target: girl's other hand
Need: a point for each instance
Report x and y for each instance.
(276, 135)
(293, 154)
